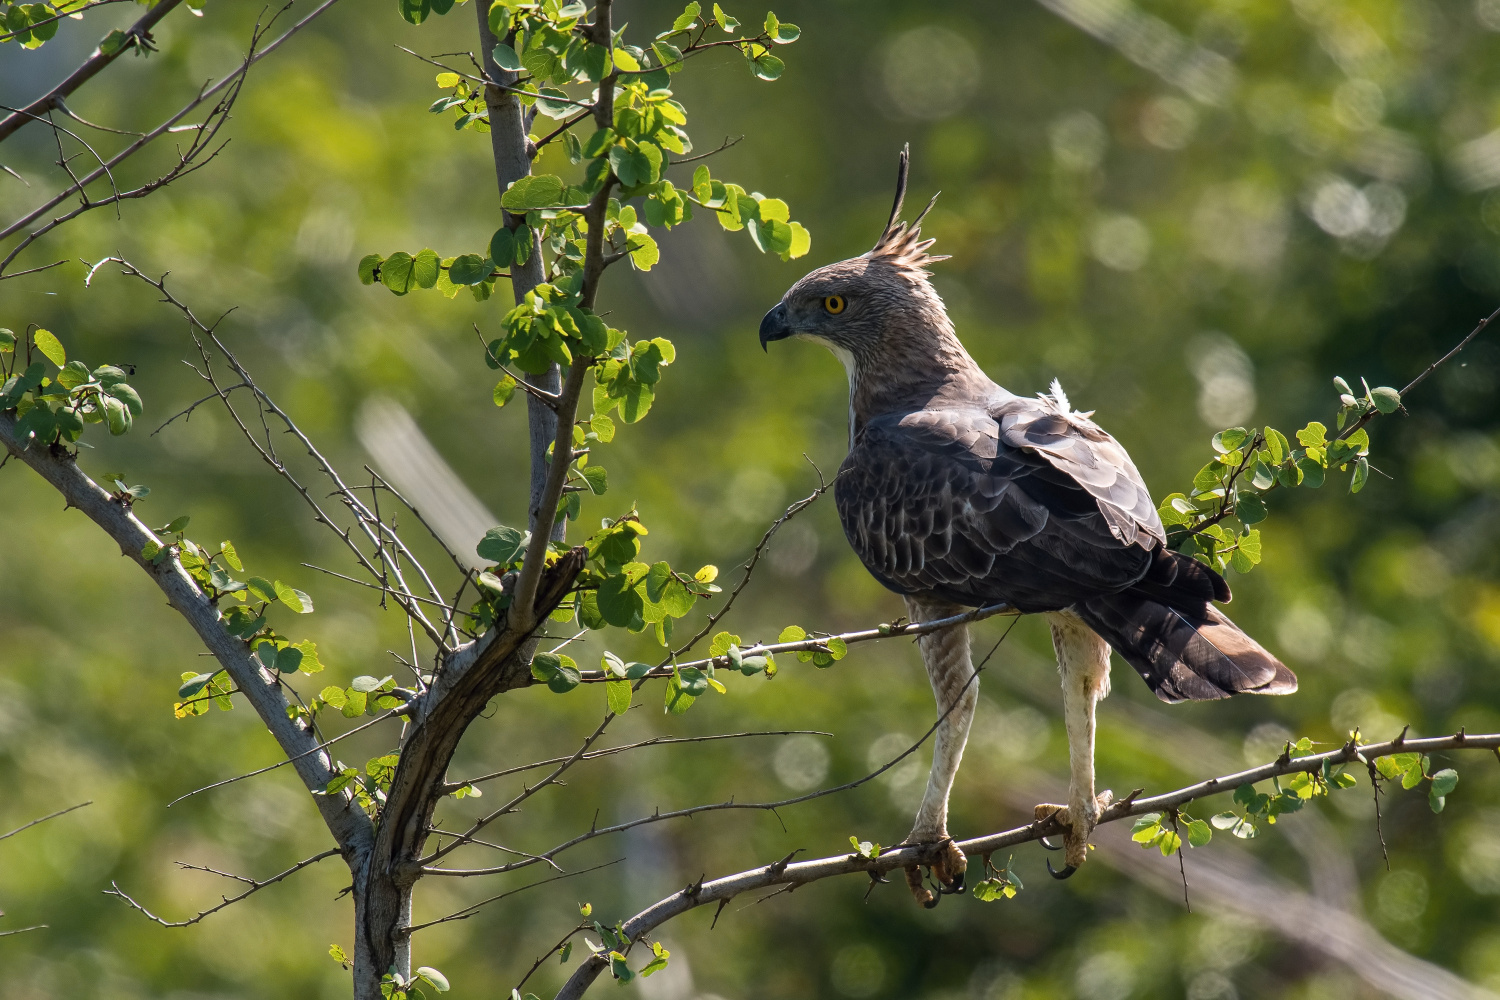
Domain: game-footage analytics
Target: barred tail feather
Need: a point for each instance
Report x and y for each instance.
(1185, 655)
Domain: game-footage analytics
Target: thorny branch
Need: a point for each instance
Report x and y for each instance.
(805, 872)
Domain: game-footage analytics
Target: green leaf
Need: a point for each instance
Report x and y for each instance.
(500, 545)
(538, 191)
(193, 684)
(1145, 822)
(424, 270)
(620, 604)
(438, 981)
(597, 478)
(262, 589)
(295, 600)
(1412, 777)
(1313, 473)
(559, 672)
(1314, 435)
(504, 390)
(414, 11)
(1444, 781)
(397, 273)
(657, 580)
(693, 681)
(677, 700)
(367, 267)
(687, 18)
(658, 959)
(46, 342)
(1225, 820)
(719, 645)
(1386, 399)
(469, 269)
(505, 57)
(618, 693)
(1247, 553)
(503, 247)
(1361, 475)
(1199, 833)
(1250, 508)
(1277, 445)
(310, 664)
(7, 341)
(766, 67)
(128, 396)
(1229, 440)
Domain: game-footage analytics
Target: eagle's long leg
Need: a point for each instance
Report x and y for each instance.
(1083, 661)
(946, 655)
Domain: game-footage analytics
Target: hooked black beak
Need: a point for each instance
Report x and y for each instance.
(774, 326)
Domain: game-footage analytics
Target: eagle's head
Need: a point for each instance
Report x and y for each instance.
(878, 302)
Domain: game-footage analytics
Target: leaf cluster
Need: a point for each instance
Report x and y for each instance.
(1411, 769)
(1250, 463)
(53, 409)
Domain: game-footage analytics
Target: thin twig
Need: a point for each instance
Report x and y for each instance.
(468, 911)
(60, 812)
(228, 901)
(282, 763)
(655, 741)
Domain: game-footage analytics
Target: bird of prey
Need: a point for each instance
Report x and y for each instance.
(958, 494)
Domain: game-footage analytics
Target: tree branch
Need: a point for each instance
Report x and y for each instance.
(351, 829)
(819, 643)
(656, 741)
(171, 124)
(804, 872)
(141, 29)
(228, 901)
(60, 812)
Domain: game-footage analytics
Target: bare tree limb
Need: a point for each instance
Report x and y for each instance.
(171, 124)
(228, 901)
(656, 741)
(470, 910)
(60, 812)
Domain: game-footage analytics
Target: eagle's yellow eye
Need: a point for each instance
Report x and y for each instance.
(834, 304)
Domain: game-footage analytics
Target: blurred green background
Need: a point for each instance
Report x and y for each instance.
(1194, 214)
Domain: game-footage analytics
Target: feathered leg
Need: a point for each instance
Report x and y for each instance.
(946, 656)
(1083, 661)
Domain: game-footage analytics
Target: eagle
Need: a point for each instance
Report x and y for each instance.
(958, 494)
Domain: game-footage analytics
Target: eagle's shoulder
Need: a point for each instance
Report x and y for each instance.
(1072, 444)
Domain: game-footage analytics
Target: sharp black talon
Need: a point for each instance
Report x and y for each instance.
(932, 901)
(1048, 845)
(1067, 871)
(956, 889)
